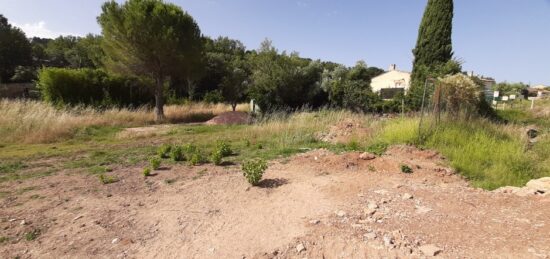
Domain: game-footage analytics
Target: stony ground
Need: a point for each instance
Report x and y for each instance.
(313, 205)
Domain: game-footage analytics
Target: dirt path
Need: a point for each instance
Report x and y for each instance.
(314, 205)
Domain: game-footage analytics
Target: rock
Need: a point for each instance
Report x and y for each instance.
(372, 205)
(115, 241)
(430, 250)
(314, 221)
(23, 222)
(541, 185)
(367, 156)
(12, 220)
(300, 247)
(341, 213)
(370, 236)
(407, 196)
(388, 241)
(381, 192)
(77, 217)
(422, 209)
(369, 211)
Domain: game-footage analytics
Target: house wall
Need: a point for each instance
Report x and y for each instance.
(391, 79)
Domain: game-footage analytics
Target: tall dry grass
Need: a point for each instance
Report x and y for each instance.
(37, 122)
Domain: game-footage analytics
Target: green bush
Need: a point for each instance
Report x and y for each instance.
(147, 172)
(176, 154)
(253, 170)
(164, 151)
(224, 148)
(155, 162)
(195, 158)
(61, 86)
(105, 179)
(216, 157)
(213, 97)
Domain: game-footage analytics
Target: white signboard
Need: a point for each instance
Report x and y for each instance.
(512, 97)
(505, 98)
(495, 102)
(496, 94)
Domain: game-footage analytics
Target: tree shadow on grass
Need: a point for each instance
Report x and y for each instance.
(272, 183)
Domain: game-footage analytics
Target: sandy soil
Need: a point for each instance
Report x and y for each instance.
(313, 205)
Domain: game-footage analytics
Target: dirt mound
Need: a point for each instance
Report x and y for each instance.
(344, 132)
(230, 118)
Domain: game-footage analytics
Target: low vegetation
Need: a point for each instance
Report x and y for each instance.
(253, 170)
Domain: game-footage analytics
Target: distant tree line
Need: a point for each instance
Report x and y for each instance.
(158, 48)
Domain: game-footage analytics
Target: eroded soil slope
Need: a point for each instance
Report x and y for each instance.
(313, 205)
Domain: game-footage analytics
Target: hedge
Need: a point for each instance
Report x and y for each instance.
(93, 87)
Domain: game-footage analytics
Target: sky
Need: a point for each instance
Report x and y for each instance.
(508, 40)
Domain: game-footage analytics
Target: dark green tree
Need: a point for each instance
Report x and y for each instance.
(15, 49)
(150, 38)
(434, 48)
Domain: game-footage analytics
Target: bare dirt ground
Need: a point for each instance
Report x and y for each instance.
(313, 205)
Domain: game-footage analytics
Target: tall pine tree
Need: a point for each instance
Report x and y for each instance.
(434, 47)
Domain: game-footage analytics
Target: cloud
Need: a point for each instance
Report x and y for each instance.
(40, 30)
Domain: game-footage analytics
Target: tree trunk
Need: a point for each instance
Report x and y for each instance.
(234, 106)
(159, 101)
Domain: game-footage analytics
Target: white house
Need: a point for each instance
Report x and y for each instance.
(393, 80)
(541, 87)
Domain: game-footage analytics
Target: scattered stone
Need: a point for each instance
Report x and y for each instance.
(540, 185)
(115, 241)
(369, 211)
(430, 250)
(314, 221)
(12, 220)
(300, 247)
(422, 209)
(388, 241)
(341, 213)
(370, 236)
(407, 196)
(367, 156)
(372, 205)
(381, 192)
(77, 217)
(397, 186)
(23, 222)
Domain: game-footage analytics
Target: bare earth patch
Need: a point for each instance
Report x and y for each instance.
(230, 118)
(315, 205)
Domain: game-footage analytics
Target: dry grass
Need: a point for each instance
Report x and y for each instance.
(37, 122)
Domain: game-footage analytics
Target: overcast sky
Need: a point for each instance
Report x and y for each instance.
(505, 39)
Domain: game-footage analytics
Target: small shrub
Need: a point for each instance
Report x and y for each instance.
(176, 154)
(105, 179)
(378, 148)
(155, 162)
(259, 146)
(147, 172)
(223, 148)
(353, 146)
(196, 158)
(164, 151)
(253, 170)
(216, 157)
(406, 169)
(32, 235)
(190, 148)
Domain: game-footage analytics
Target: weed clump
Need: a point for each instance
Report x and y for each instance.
(105, 179)
(223, 148)
(155, 162)
(164, 151)
(32, 235)
(176, 154)
(378, 148)
(253, 170)
(216, 157)
(196, 158)
(147, 172)
(406, 169)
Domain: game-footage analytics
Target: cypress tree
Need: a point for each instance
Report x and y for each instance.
(434, 47)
